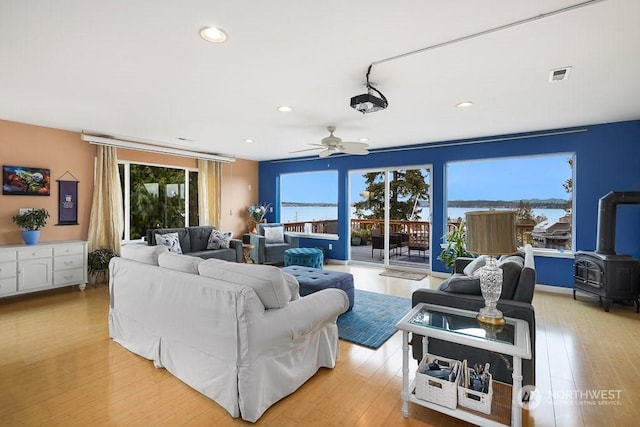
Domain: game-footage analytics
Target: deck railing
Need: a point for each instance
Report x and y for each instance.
(418, 231)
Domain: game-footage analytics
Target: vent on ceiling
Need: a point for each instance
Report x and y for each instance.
(559, 74)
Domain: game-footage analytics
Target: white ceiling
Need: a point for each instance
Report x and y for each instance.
(138, 69)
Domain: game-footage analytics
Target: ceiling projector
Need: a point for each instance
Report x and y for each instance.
(368, 103)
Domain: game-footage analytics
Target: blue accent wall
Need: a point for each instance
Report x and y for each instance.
(607, 159)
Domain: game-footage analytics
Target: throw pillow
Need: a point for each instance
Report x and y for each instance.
(511, 268)
(219, 239)
(459, 284)
(170, 240)
(475, 265)
(274, 234)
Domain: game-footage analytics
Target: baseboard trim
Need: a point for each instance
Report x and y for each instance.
(554, 289)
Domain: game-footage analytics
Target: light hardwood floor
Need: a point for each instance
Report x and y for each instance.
(58, 367)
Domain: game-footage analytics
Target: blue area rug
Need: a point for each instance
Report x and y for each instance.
(373, 318)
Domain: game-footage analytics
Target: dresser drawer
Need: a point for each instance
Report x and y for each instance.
(69, 249)
(8, 269)
(7, 255)
(35, 253)
(68, 276)
(68, 262)
(8, 285)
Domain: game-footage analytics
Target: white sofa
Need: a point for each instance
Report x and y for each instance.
(238, 333)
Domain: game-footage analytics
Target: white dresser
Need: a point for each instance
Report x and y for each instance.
(47, 265)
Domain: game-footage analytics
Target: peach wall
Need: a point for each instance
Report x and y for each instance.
(62, 151)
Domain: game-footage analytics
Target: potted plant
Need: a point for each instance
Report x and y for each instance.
(98, 264)
(31, 222)
(365, 236)
(454, 246)
(356, 237)
(256, 215)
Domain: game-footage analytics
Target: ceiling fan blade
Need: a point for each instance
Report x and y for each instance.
(358, 148)
(306, 149)
(355, 150)
(325, 153)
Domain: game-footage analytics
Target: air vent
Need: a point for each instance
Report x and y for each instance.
(559, 74)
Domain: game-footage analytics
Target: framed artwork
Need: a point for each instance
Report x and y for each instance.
(25, 181)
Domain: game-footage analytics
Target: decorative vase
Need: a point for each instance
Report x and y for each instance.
(30, 237)
(252, 226)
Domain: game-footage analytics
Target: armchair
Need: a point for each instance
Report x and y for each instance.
(462, 290)
(270, 242)
(377, 241)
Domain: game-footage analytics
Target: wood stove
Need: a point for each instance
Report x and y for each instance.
(604, 273)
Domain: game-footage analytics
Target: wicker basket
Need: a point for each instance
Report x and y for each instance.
(436, 390)
(472, 399)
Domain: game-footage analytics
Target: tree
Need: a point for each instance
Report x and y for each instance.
(568, 185)
(524, 214)
(405, 187)
(154, 198)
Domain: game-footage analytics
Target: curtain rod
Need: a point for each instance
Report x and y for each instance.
(99, 140)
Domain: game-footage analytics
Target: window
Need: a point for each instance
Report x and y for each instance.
(155, 197)
(310, 197)
(539, 188)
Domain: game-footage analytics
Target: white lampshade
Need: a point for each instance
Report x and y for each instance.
(491, 232)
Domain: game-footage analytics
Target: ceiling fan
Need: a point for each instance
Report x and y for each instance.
(332, 144)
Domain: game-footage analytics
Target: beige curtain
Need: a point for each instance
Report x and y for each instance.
(106, 222)
(209, 192)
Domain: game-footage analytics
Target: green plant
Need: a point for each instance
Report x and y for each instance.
(31, 220)
(98, 260)
(454, 246)
(363, 234)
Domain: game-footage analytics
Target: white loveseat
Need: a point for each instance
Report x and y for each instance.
(238, 333)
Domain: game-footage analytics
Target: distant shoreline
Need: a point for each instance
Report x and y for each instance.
(504, 204)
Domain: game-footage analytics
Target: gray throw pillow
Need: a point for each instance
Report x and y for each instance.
(511, 268)
(460, 284)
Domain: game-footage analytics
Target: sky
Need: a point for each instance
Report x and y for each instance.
(496, 179)
(508, 179)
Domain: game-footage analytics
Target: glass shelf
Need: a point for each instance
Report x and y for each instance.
(464, 325)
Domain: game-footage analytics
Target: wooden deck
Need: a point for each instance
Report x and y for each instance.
(400, 257)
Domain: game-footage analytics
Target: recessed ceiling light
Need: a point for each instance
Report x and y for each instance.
(464, 104)
(248, 141)
(285, 108)
(364, 140)
(213, 35)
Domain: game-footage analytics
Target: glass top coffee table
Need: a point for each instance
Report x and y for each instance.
(461, 327)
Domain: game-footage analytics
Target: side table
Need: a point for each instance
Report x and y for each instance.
(433, 321)
(246, 252)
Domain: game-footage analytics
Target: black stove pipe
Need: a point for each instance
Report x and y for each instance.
(607, 207)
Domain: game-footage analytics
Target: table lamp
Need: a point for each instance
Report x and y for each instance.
(491, 233)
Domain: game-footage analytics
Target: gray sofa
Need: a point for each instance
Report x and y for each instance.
(463, 291)
(193, 241)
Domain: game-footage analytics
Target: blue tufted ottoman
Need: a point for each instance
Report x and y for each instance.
(312, 280)
(305, 257)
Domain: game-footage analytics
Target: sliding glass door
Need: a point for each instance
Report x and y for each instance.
(390, 213)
